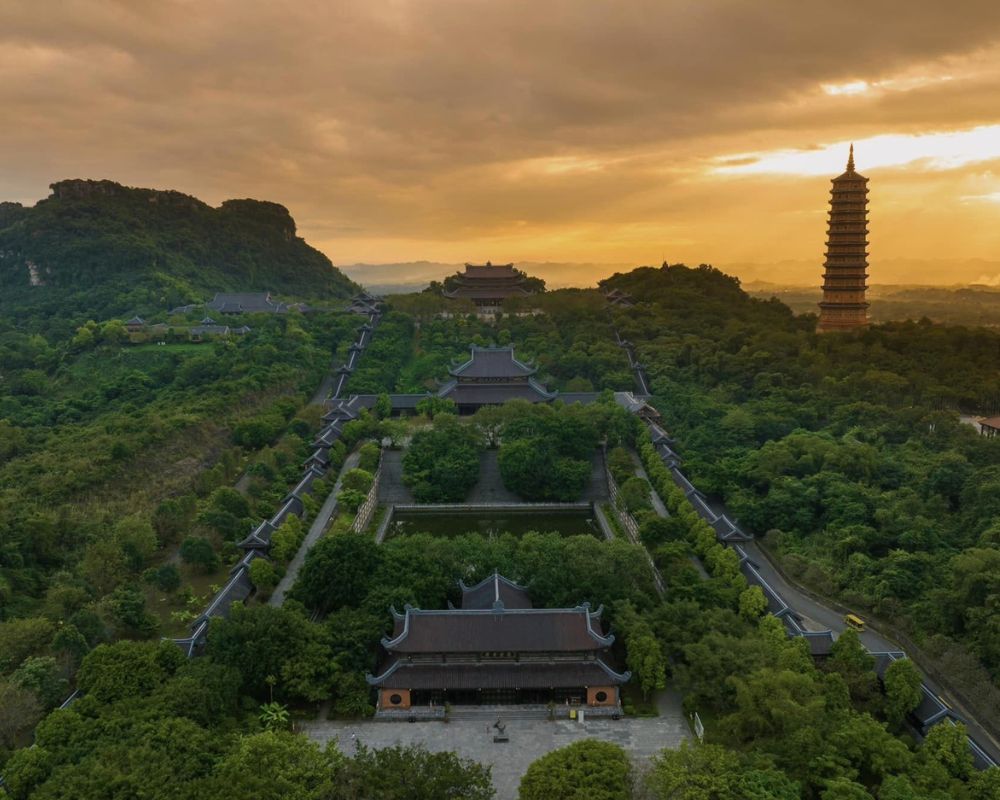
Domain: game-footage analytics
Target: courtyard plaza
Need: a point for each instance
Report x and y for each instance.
(470, 733)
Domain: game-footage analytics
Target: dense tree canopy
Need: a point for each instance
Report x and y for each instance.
(119, 463)
(441, 463)
(546, 451)
(848, 449)
(586, 770)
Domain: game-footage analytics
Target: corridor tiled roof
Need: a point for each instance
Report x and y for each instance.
(507, 675)
(494, 393)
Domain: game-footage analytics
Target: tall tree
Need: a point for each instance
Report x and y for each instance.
(903, 691)
(586, 770)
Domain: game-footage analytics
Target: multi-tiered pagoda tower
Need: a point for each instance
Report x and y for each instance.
(843, 307)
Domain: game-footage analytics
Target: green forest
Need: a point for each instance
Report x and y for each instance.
(97, 249)
(845, 453)
(130, 469)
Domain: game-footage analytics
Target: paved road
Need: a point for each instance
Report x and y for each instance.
(315, 534)
(817, 616)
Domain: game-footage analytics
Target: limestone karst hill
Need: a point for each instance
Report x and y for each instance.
(100, 248)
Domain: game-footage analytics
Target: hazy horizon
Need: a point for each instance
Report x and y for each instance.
(558, 275)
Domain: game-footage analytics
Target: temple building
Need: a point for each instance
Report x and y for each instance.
(497, 648)
(491, 377)
(843, 307)
(487, 285)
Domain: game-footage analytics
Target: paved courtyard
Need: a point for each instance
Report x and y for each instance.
(529, 738)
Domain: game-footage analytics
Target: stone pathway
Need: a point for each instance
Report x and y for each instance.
(315, 534)
(529, 738)
(654, 498)
(326, 385)
(661, 511)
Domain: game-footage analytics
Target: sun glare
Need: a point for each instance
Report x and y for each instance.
(935, 151)
(855, 87)
(991, 197)
(903, 83)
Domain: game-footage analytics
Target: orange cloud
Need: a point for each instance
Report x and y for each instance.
(608, 131)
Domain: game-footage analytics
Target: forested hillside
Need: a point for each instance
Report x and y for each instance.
(846, 450)
(96, 249)
(129, 469)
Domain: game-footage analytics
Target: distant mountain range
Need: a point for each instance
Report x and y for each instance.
(99, 248)
(415, 275)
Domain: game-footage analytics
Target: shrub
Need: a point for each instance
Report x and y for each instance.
(257, 432)
(590, 768)
(285, 541)
(635, 494)
(351, 499)
(263, 575)
(198, 551)
(370, 454)
(620, 464)
(167, 578)
(357, 479)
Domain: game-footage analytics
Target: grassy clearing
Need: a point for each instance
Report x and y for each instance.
(176, 610)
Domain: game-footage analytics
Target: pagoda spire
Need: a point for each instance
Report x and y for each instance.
(844, 306)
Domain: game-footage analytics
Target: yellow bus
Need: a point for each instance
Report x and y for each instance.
(855, 622)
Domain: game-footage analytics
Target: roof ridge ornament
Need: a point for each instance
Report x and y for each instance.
(850, 159)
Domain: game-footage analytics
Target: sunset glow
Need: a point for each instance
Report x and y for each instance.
(450, 130)
(934, 151)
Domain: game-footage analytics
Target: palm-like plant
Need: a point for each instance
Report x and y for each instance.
(274, 716)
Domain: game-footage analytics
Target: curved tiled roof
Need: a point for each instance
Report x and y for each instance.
(489, 270)
(496, 589)
(485, 630)
(492, 362)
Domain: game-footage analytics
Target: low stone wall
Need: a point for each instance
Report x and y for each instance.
(367, 509)
(471, 508)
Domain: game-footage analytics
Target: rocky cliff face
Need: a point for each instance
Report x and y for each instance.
(83, 189)
(262, 212)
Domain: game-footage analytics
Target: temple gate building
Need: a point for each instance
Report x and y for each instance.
(497, 648)
(844, 307)
(487, 285)
(492, 376)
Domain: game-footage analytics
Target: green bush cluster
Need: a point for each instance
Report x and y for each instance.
(441, 465)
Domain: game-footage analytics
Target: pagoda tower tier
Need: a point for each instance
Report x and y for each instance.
(844, 306)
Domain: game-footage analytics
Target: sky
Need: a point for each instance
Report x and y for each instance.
(605, 131)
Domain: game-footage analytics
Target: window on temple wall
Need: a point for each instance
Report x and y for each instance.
(601, 697)
(395, 699)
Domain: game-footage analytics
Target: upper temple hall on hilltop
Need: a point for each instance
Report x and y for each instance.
(488, 285)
